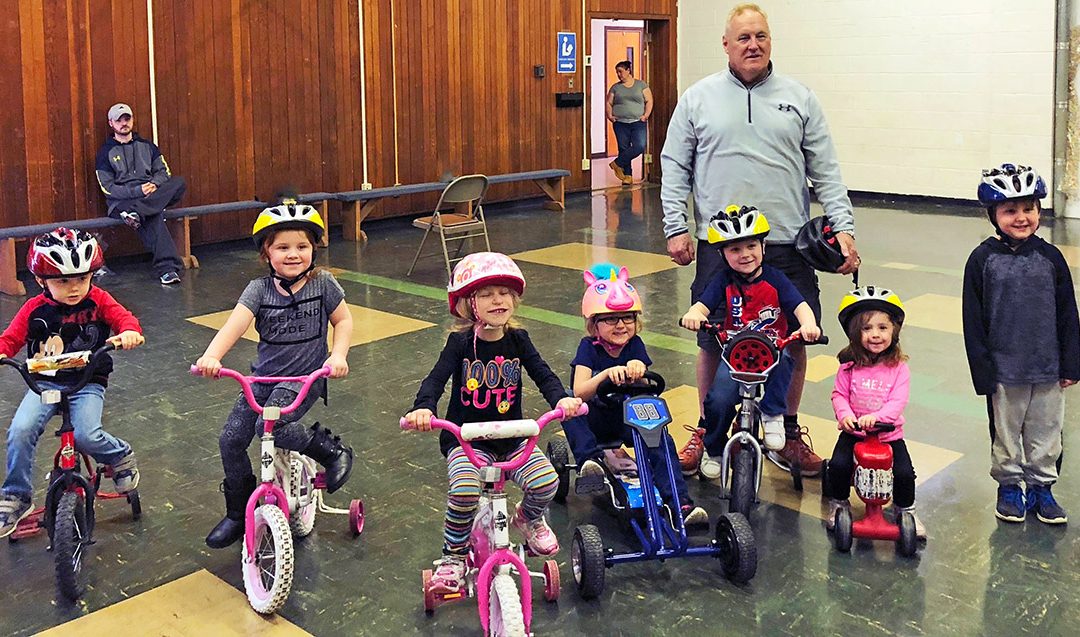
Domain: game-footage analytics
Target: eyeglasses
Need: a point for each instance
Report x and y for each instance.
(612, 321)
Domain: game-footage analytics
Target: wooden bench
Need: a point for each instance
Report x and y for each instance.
(180, 228)
(361, 203)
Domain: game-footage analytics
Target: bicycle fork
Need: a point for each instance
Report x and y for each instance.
(501, 555)
(267, 488)
(745, 435)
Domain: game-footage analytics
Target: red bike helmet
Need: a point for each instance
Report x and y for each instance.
(64, 252)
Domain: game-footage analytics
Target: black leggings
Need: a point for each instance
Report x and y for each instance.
(243, 424)
(842, 465)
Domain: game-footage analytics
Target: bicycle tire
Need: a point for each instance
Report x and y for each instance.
(505, 617)
(302, 522)
(70, 539)
(742, 483)
(268, 578)
(558, 452)
(587, 559)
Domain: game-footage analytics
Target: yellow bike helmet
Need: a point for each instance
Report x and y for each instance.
(288, 215)
(866, 298)
(737, 223)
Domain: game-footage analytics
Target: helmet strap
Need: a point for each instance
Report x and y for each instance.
(287, 283)
(611, 349)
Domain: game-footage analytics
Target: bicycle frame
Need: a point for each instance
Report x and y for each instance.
(494, 536)
(268, 491)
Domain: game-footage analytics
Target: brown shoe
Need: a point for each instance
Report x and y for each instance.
(690, 454)
(799, 450)
(628, 180)
(618, 171)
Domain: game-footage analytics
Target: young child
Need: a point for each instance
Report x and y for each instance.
(613, 350)
(290, 309)
(755, 297)
(871, 387)
(1023, 343)
(69, 315)
(485, 354)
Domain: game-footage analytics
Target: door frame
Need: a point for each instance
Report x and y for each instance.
(609, 130)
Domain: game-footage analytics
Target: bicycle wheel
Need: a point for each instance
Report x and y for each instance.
(302, 521)
(505, 618)
(71, 536)
(587, 559)
(742, 483)
(738, 550)
(558, 451)
(268, 578)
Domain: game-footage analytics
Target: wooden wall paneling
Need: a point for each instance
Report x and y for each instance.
(56, 74)
(14, 193)
(87, 200)
(35, 112)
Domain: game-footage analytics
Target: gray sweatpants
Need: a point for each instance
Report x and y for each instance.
(1027, 433)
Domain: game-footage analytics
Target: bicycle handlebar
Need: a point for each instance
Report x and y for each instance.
(94, 359)
(507, 465)
(725, 335)
(247, 381)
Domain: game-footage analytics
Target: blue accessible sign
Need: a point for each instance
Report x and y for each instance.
(566, 52)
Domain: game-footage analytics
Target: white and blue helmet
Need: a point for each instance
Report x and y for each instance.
(1010, 181)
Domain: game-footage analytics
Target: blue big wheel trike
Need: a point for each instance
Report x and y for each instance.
(636, 499)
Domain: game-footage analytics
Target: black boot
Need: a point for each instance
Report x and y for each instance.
(231, 527)
(328, 451)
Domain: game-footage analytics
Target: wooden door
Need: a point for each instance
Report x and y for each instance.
(620, 43)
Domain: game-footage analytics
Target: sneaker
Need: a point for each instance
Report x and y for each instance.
(12, 510)
(1041, 501)
(538, 535)
(834, 506)
(920, 528)
(132, 219)
(801, 449)
(694, 516)
(775, 438)
(628, 180)
(690, 454)
(590, 478)
(619, 461)
(710, 467)
(125, 474)
(618, 171)
(1010, 503)
(449, 574)
(170, 278)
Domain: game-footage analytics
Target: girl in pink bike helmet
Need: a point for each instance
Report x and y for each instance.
(485, 355)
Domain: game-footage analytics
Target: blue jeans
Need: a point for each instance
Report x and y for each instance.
(604, 424)
(723, 397)
(29, 423)
(631, 138)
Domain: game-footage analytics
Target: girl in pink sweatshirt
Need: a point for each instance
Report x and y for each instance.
(871, 387)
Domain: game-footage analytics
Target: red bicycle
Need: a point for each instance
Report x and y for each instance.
(68, 514)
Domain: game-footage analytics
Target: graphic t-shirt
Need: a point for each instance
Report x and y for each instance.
(768, 303)
(486, 383)
(292, 331)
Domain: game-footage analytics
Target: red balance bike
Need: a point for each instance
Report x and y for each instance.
(68, 514)
(285, 502)
(873, 481)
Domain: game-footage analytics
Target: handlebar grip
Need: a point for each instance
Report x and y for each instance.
(405, 424)
(195, 370)
(822, 340)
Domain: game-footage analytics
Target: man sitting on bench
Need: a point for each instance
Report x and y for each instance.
(138, 187)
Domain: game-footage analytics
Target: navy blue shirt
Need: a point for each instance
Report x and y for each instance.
(593, 355)
(768, 302)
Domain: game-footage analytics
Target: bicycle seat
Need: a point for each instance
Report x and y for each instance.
(498, 429)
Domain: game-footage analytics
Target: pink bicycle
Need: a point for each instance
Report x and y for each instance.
(285, 502)
(493, 561)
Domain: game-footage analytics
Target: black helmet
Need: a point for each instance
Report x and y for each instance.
(816, 242)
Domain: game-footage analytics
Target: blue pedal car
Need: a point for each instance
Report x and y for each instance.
(637, 501)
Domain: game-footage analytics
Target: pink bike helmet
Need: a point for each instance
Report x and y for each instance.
(480, 269)
(609, 291)
(64, 252)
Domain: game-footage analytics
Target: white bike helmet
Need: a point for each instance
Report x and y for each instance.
(64, 252)
(737, 223)
(1010, 181)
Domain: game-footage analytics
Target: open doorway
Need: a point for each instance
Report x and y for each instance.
(611, 42)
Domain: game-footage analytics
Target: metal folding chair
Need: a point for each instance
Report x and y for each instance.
(465, 222)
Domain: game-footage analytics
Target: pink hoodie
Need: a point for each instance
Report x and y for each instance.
(880, 390)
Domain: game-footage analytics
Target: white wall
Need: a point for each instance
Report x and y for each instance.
(920, 95)
(598, 83)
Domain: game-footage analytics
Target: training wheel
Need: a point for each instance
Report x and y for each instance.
(136, 504)
(356, 518)
(551, 580)
(429, 597)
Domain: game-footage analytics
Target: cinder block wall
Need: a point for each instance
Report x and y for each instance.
(920, 95)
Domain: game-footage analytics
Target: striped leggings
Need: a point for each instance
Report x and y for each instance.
(537, 479)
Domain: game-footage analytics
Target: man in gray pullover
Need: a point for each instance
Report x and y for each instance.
(749, 136)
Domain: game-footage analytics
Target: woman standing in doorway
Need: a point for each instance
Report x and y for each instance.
(629, 104)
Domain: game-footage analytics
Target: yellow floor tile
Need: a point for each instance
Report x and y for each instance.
(198, 604)
(1071, 254)
(579, 256)
(935, 312)
(368, 325)
(821, 367)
